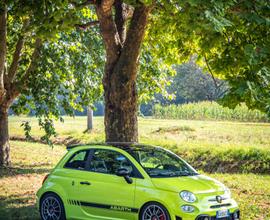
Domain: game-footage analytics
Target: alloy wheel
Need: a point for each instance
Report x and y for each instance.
(154, 212)
(51, 209)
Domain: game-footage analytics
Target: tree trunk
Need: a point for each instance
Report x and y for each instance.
(89, 119)
(122, 59)
(120, 107)
(4, 138)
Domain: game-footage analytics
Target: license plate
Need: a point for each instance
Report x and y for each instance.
(223, 213)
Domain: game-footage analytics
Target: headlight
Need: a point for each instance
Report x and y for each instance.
(187, 208)
(188, 196)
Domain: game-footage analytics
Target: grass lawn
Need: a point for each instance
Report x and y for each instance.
(31, 161)
(169, 132)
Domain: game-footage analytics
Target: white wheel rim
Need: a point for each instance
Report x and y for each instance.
(154, 212)
(50, 209)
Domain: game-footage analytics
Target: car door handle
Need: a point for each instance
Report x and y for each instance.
(85, 183)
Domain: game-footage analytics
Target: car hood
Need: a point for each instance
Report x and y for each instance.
(197, 184)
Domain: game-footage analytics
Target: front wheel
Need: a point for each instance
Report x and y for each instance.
(52, 208)
(154, 211)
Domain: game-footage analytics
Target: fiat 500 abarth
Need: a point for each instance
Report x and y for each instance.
(128, 181)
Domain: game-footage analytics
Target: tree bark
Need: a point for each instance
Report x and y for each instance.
(120, 109)
(4, 138)
(3, 47)
(120, 76)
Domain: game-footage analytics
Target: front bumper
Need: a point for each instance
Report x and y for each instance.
(207, 211)
(233, 216)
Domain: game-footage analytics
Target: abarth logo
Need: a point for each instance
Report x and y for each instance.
(120, 208)
(219, 199)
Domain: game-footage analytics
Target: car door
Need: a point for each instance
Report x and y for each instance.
(69, 177)
(103, 194)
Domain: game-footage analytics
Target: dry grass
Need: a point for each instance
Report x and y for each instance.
(18, 185)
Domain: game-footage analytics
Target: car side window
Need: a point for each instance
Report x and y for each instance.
(78, 160)
(109, 161)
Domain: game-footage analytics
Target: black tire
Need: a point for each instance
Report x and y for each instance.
(51, 207)
(162, 214)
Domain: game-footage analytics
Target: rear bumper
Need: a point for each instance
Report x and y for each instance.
(38, 195)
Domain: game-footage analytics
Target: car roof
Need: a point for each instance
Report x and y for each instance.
(126, 146)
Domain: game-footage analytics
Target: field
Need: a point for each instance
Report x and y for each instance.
(31, 161)
(180, 133)
(207, 110)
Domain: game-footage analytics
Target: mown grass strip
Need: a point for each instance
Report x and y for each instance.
(212, 160)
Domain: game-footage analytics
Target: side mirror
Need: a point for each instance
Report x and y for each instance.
(123, 172)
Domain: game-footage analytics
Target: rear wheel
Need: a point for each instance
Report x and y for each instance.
(154, 211)
(52, 208)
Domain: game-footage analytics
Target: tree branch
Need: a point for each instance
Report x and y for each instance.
(108, 30)
(15, 61)
(119, 20)
(17, 54)
(132, 45)
(3, 46)
(87, 25)
(33, 64)
(122, 13)
(210, 71)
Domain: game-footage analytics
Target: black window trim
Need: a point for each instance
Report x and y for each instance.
(90, 152)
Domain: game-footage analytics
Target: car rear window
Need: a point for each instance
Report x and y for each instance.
(78, 160)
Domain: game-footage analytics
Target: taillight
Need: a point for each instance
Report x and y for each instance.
(46, 177)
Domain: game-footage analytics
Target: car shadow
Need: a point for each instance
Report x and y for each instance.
(18, 207)
(13, 171)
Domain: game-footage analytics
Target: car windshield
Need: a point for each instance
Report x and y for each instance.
(160, 163)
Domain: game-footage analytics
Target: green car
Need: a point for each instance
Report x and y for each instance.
(127, 181)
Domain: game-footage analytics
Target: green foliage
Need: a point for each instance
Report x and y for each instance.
(208, 111)
(27, 129)
(232, 37)
(153, 76)
(67, 78)
(69, 70)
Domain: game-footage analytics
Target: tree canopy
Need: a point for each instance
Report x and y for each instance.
(231, 38)
(57, 53)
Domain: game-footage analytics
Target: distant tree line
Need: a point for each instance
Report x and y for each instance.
(190, 84)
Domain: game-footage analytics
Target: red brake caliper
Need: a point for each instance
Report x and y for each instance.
(162, 217)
